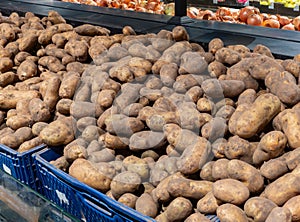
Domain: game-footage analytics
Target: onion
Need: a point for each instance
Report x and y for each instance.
(296, 22)
(246, 12)
(192, 12)
(254, 19)
(271, 23)
(283, 20)
(289, 27)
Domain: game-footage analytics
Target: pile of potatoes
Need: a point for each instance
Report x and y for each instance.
(155, 121)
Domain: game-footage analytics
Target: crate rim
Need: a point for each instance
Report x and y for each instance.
(20, 154)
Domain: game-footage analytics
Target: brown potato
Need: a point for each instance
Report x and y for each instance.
(196, 217)
(230, 191)
(128, 199)
(86, 172)
(146, 205)
(279, 214)
(9, 98)
(208, 204)
(125, 182)
(189, 188)
(258, 208)
(179, 209)
(293, 205)
(230, 212)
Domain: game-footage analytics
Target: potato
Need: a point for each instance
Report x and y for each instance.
(262, 66)
(219, 169)
(208, 204)
(145, 140)
(293, 205)
(282, 189)
(263, 50)
(229, 212)
(7, 78)
(115, 142)
(132, 110)
(128, 199)
(86, 172)
(146, 205)
(27, 145)
(125, 182)
(58, 132)
(279, 214)
(288, 122)
(216, 128)
(270, 146)
(63, 106)
(283, 85)
(179, 209)
(291, 66)
(18, 121)
(197, 217)
(189, 188)
(215, 44)
(193, 63)
(227, 56)
(91, 30)
(104, 155)
(252, 120)
(39, 110)
(51, 96)
(157, 175)
(5, 65)
(160, 193)
(38, 127)
(14, 140)
(9, 98)
(179, 33)
(230, 191)
(50, 63)
(194, 156)
(69, 85)
(273, 169)
(80, 109)
(248, 97)
(258, 208)
(247, 174)
(77, 49)
(206, 171)
(74, 152)
(216, 69)
(122, 125)
(61, 163)
(168, 73)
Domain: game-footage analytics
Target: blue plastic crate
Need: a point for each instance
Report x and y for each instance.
(20, 165)
(76, 197)
(79, 199)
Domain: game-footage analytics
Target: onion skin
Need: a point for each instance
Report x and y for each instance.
(254, 19)
(271, 23)
(289, 27)
(296, 23)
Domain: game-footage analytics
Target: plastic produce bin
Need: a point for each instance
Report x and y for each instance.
(77, 198)
(20, 165)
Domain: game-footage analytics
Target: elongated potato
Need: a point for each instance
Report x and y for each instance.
(258, 208)
(10, 98)
(189, 188)
(230, 212)
(86, 172)
(257, 115)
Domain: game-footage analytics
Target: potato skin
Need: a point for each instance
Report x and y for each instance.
(293, 205)
(283, 189)
(125, 182)
(84, 171)
(208, 204)
(179, 209)
(189, 188)
(128, 199)
(146, 205)
(10, 98)
(229, 212)
(279, 214)
(253, 119)
(247, 174)
(230, 191)
(258, 208)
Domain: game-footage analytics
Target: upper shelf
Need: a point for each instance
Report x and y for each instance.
(282, 43)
